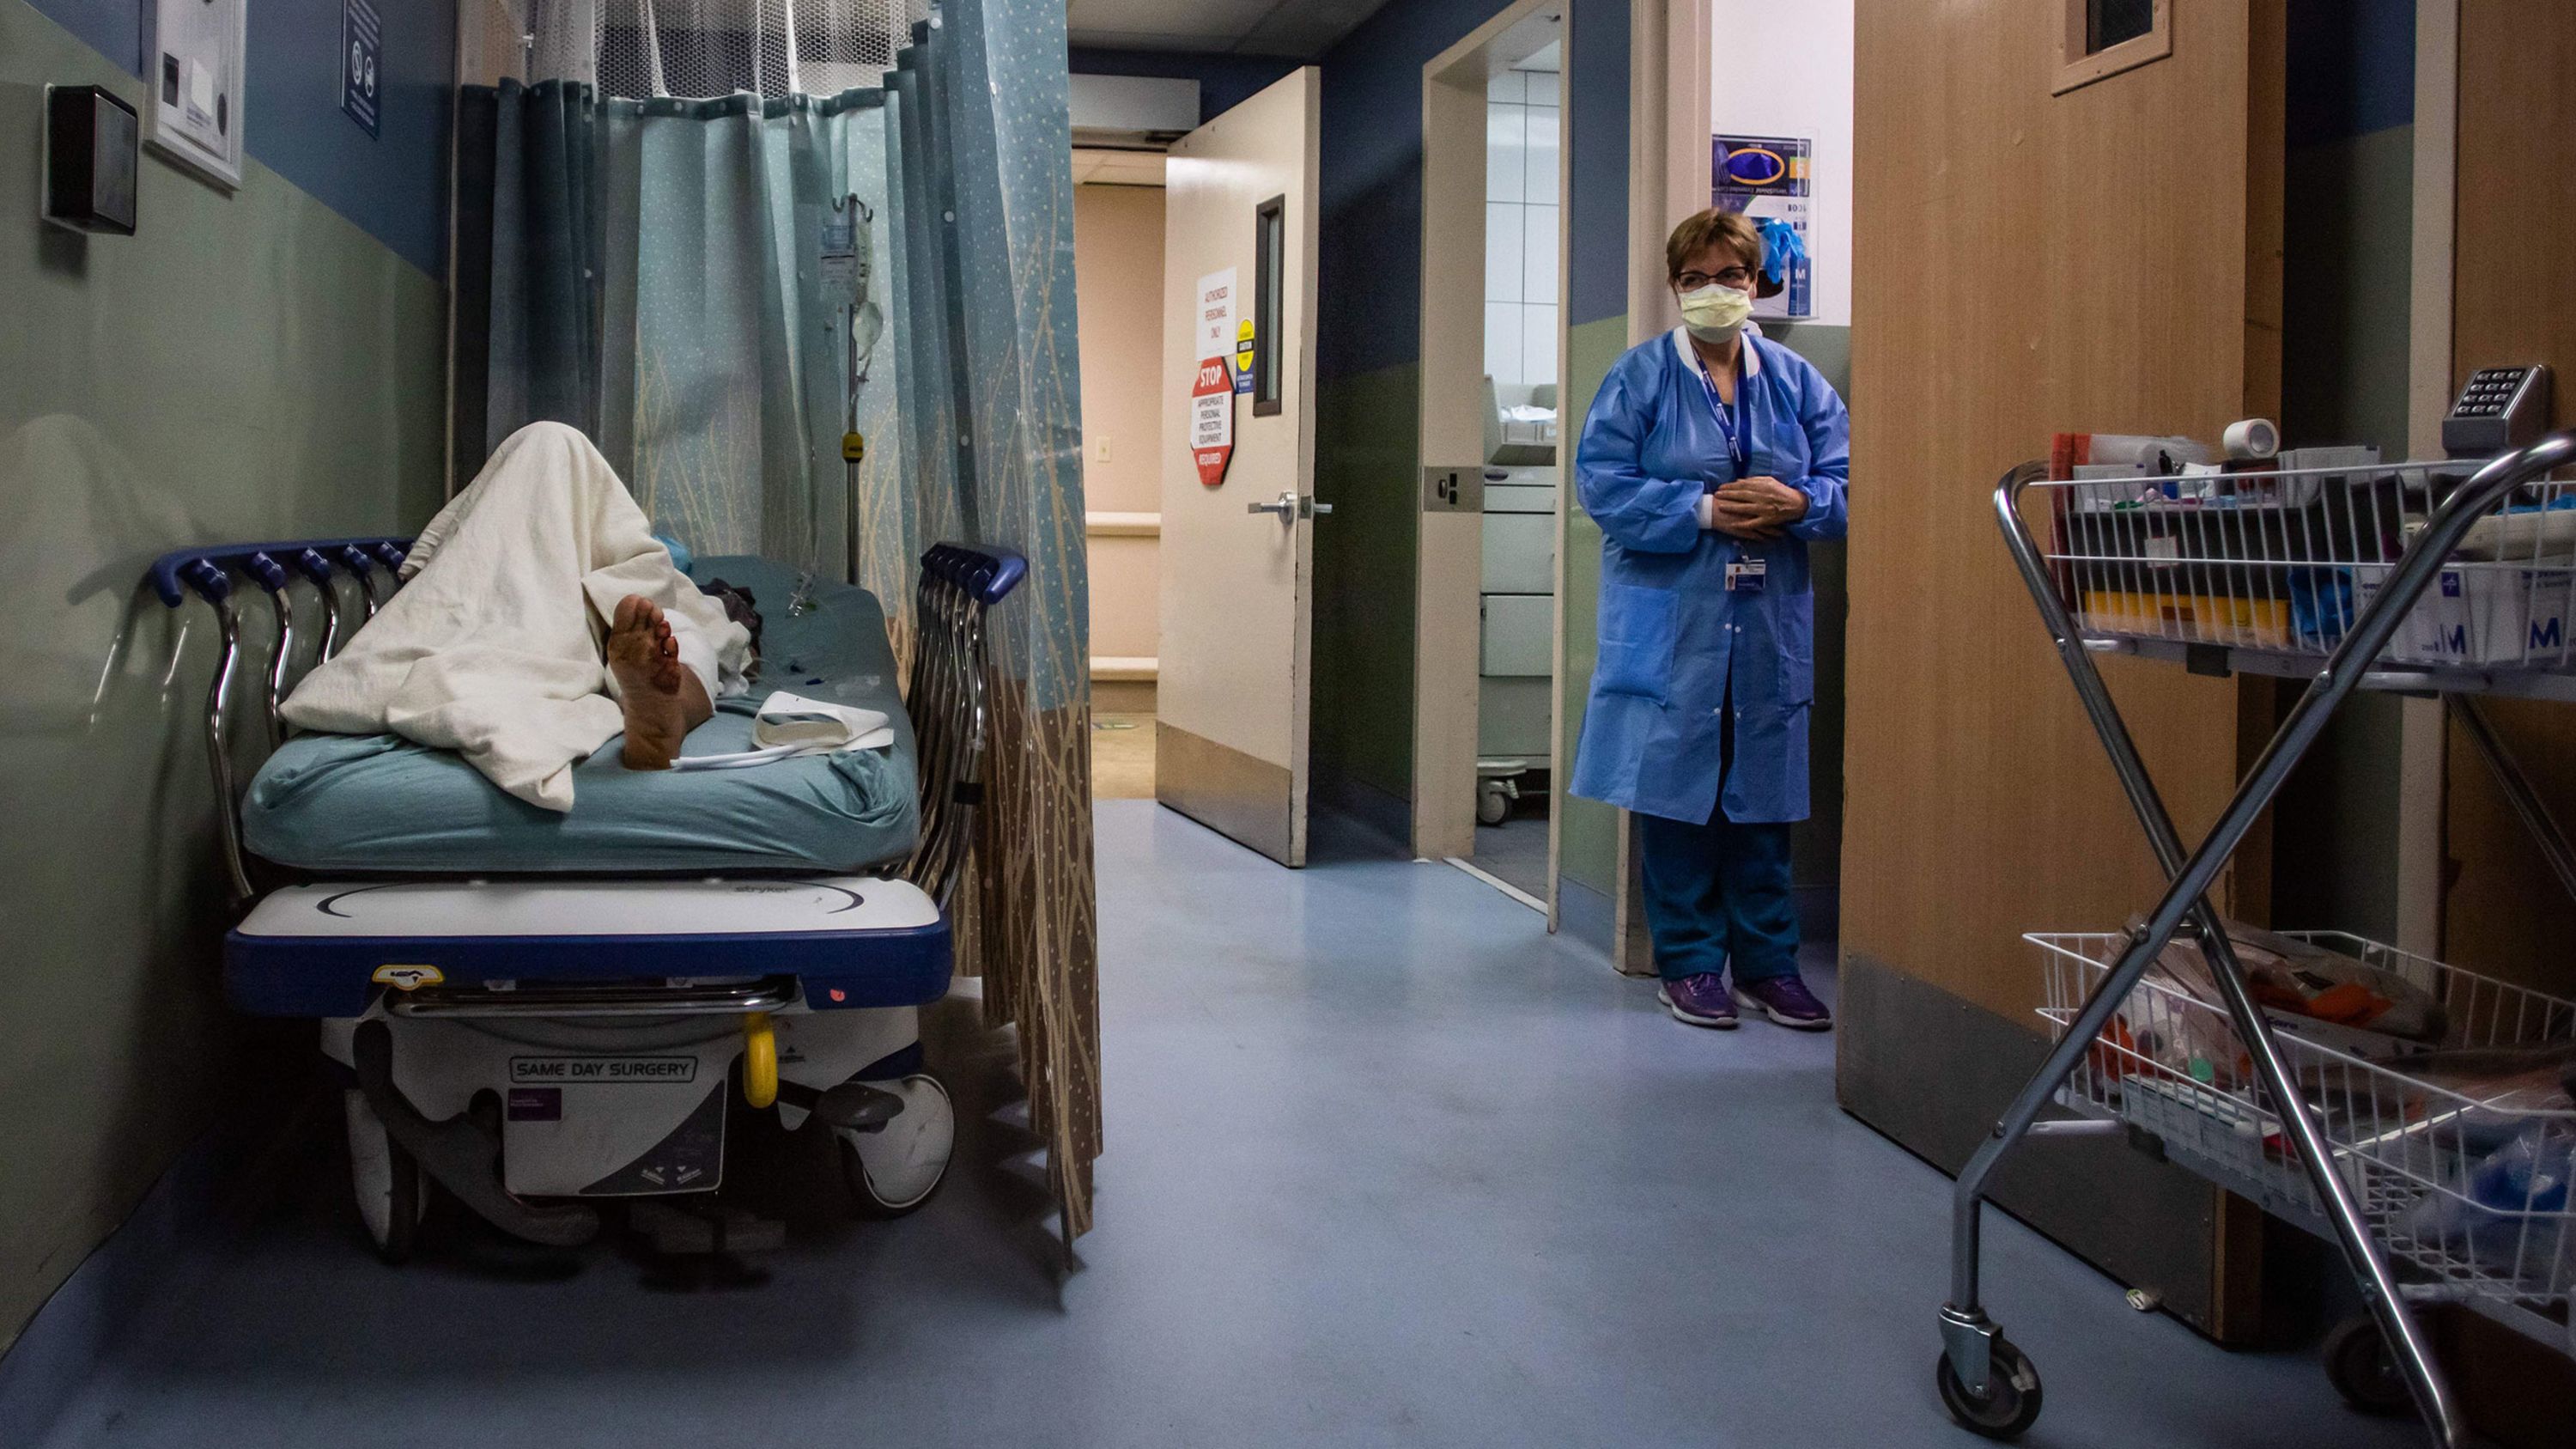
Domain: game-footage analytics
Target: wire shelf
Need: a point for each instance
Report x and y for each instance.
(2283, 560)
(2457, 1140)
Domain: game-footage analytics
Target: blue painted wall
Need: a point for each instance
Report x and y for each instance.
(1370, 267)
(1596, 172)
(1370, 281)
(1225, 81)
(394, 186)
(2351, 68)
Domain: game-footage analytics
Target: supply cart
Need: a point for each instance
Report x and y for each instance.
(2373, 1130)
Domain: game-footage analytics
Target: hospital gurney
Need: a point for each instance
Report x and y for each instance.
(537, 1043)
(2422, 578)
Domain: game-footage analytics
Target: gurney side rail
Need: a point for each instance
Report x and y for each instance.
(775, 993)
(207, 572)
(960, 583)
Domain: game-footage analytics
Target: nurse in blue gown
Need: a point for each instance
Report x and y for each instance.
(1712, 458)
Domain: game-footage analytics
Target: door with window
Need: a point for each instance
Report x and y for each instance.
(1238, 469)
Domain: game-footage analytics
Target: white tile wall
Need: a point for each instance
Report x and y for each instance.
(1507, 251)
(1538, 344)
(1521, 227)
(1503, 341)
(1506, 143)
(1538, 254)
(1540, 153)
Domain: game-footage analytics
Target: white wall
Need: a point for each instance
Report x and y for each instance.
(1786, 70)
(1118, 297)
(1520, 228)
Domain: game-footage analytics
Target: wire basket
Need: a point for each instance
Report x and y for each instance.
(2283, 560)
(2459, 1150)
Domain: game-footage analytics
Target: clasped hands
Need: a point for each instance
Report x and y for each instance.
(1756, 509)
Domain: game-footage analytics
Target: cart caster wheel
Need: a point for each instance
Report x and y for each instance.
(1493, 804)
(2362, 1369)
(896, 1168)
(391, 1191)
(2011, 1403)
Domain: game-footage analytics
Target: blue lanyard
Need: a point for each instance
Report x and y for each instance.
(1739, 446)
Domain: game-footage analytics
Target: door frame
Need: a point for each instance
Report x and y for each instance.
(1669, 64)
(1449, 546)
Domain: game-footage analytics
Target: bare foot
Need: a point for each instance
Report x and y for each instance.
(650, 681)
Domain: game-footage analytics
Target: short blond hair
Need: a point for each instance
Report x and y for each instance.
(1713, 227)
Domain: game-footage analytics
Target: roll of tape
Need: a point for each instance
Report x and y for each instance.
(2252, 438)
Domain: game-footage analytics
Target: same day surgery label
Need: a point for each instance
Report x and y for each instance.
(582, 1071)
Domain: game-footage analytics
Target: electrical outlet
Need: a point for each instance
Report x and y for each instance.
(1453, 490)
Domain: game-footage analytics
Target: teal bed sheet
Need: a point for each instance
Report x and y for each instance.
(379, 803)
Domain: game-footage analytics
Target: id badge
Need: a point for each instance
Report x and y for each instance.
(1745, 575)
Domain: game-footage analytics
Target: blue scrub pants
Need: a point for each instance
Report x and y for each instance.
(1718, 893)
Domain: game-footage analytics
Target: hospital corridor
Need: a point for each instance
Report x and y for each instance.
(1447, 1211)
(1175, 724)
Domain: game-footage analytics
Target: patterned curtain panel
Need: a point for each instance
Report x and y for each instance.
(701, 262)
(992, 102)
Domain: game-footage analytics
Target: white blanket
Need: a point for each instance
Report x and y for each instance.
(494, 647)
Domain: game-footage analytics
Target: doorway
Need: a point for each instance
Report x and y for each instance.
(1486, 734)
(1118, 289)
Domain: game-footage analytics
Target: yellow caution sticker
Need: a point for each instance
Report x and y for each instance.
(1243, 348)
(854, 447)
(408, 978)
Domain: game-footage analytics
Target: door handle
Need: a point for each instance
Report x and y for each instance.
(1290, 507)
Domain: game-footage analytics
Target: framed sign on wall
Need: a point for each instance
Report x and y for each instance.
(196, 82)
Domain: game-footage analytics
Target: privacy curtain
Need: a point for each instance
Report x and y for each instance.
(669, 275)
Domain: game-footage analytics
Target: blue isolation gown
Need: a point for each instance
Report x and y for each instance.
(1676, 645)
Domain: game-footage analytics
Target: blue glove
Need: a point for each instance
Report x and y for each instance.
(1780, 243)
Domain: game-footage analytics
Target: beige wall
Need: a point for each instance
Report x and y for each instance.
(1118, 281)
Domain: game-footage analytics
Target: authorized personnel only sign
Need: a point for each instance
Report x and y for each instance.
(1212, 391)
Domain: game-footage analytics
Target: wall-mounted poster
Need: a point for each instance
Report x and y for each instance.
(196, 81)
(1766, 178)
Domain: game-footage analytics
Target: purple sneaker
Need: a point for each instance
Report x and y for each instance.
(1786, 1000)
(1699, 1000)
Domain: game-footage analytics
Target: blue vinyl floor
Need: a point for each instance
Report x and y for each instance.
(1386, 1166)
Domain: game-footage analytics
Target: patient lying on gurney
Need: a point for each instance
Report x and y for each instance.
(540, 618)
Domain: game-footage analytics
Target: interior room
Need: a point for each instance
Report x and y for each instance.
(1288, 722)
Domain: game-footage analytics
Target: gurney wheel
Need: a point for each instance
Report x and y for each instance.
(391, 1191)
(896, 1168)
(2011, 1401)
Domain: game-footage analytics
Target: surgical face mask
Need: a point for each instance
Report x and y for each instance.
(1715, 312)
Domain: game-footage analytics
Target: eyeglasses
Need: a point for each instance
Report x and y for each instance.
(1737, 277)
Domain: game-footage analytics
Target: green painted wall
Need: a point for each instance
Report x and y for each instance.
(251, 366)
(1589, 840)
(2347, 264)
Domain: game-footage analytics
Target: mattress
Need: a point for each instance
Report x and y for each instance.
(379, 803)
